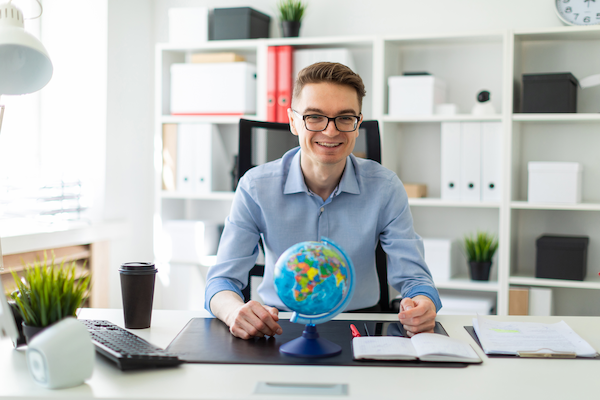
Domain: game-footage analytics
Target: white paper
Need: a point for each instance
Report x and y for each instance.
(434, 344)
(383, 347)
(512, 337)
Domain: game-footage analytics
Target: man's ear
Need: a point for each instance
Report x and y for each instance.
(291, 117)
(359, 122)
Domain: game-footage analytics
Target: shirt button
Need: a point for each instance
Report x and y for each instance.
(322, 209)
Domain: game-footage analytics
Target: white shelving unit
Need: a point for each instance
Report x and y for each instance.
(468, 63)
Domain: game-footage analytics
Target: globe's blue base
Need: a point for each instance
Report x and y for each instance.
(310, 345)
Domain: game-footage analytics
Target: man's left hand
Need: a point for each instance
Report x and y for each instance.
(417, 315)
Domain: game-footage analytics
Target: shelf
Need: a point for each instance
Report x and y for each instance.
(437, 202)
(524, 205)
(559, 33)
(440, 118)
(556, 117)
(207, 119)
(558, 283)
(465, 283)
(215, 45)
(198, 196)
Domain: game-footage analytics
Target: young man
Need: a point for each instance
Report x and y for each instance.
(321, 189)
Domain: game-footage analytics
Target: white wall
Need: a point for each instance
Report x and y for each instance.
(135, 25)
(129, 172)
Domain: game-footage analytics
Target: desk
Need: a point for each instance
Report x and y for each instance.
(498, 378)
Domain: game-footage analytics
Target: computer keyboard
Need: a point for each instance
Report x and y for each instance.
(126, 349)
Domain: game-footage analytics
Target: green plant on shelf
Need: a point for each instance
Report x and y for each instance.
(48, 293)
(480, 247)
(291, 10)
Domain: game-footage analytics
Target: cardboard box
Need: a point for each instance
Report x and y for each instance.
(518, 301)
(554, 182)
(213, 89)
(415, 94)
(188, 25)
(415, 189)
(438, 258)
(216, 58)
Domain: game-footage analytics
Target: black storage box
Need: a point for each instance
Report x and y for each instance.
(561, 257)
(549, 93)
(239, 23)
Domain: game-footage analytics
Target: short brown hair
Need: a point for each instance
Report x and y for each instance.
(329, 72)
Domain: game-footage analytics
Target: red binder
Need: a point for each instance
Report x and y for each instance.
(284, 82)
(272, 84)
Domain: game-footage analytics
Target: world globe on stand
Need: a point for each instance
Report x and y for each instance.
(316, 281)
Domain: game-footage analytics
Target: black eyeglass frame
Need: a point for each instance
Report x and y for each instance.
(328, 120)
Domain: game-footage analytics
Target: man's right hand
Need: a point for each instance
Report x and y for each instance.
(245, 320)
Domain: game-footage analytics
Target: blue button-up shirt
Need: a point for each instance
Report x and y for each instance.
(272, 201)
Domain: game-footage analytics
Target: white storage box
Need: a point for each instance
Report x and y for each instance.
(213, 89)
(415, 94)
(188, 25)
(437, 257)
(554, 182)
(190, 241)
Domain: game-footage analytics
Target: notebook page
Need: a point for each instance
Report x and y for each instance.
(383, 347)
(431, 343)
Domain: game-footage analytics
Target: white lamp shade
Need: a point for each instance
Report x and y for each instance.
(25, 66)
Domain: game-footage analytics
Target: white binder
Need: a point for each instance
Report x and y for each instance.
(470, 166)
(203, 165)
(450, 161)
(212, 166)
(491, 161)
(185, 166)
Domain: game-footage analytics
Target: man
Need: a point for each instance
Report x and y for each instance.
(321, 189)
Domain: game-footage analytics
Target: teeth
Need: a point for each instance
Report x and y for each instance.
(329, 144)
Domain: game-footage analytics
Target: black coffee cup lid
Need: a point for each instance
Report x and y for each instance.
(138, 268)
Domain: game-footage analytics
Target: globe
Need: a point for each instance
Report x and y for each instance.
(316, 281)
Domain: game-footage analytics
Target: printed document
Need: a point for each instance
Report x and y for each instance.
(530, 337)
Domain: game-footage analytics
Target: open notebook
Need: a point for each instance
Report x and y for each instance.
(424, 347)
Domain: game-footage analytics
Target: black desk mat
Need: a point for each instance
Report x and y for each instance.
(471, 332)
(207, 340)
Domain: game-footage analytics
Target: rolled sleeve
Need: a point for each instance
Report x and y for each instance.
(428, 291)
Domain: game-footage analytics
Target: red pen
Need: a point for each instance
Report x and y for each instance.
(355, 332)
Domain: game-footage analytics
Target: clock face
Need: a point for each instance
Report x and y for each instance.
(579, 12)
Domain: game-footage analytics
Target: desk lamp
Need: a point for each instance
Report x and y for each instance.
(25, 66)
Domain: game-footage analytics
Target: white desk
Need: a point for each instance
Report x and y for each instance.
(499, 378)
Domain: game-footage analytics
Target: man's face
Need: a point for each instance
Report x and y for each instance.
(329, 147)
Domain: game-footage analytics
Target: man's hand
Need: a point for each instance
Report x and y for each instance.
(248, 320)
(417, 315)
(254, 320)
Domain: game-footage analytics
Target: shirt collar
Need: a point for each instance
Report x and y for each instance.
(295, 179)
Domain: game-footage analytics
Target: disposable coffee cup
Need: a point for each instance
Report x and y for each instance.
(137, 289)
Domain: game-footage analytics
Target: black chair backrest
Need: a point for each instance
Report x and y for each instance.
(370, 130)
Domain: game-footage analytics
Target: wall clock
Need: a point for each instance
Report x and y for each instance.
(578, 12)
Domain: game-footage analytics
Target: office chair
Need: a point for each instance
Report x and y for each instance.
(246, 153)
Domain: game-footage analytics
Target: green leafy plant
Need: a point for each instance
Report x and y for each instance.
(291, 10)
(480, 247)
(49, 293)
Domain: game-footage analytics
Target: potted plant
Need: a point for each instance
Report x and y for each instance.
(480, 249)
(48, 293)
(290, 15)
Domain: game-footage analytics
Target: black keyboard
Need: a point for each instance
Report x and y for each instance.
(127, 350)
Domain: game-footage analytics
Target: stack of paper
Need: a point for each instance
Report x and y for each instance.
(530, 339)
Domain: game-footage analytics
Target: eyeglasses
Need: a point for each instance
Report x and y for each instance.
(318, 123)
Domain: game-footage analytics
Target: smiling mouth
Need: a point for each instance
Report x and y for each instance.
(329, 145)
